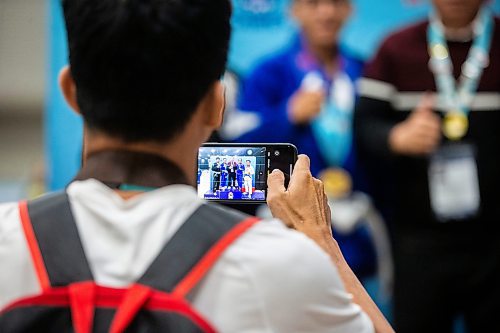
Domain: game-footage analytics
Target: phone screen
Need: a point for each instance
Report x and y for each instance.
(238, 173)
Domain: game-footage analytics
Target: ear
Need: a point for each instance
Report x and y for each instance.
(215, 105)
(68, 88)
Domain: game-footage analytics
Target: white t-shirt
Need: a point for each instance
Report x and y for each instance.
(272, 279)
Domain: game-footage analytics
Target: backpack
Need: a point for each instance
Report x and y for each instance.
(71, 301)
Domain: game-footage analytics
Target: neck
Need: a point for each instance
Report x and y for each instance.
(459, 22)
(460, 28)
(179, 153)
(326, 56)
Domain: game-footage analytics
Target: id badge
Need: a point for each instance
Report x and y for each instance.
(453, 182)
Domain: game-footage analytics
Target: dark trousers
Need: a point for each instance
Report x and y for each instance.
(441, 278)
(216, 183)
(232, 179)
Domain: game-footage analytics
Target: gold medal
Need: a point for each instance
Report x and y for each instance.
(338, 183)
(455, 125)
(439, 51)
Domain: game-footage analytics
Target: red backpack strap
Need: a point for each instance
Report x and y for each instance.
(36, 254)
(135, 298)
(195, 248)
(53, 241)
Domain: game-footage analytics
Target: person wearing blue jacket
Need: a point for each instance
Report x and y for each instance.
(305, 95)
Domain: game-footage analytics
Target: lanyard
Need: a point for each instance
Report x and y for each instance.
(459, 99)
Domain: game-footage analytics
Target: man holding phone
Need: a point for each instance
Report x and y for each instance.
(144, 126)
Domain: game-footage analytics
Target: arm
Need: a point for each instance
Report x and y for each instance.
(379, 134)
(374, 115)
(379, 129)
(373, 122)
(303, 206)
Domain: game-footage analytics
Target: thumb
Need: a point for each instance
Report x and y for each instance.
(276, 183)
(426, 103)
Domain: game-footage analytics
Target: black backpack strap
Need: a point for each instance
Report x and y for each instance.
(195, 247)
(53, 240)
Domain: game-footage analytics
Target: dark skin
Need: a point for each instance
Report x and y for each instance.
(456, 14)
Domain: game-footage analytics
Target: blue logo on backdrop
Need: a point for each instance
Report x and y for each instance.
(258, 13)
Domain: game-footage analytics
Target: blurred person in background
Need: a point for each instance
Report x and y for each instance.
(305, 94)
(429, 112)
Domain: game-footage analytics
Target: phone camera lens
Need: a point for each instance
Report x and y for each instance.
(276, 153)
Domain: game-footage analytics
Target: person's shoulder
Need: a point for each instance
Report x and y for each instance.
(9, 219)
(497, 24)
(271, 246)
(409, 35)
(7, 207)
(275, 62)
(353, 63)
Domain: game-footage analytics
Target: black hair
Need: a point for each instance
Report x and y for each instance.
(217, 158)
(141, 67)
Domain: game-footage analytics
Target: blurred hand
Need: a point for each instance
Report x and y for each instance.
(303, 206)
(305, 106)
(420, 133)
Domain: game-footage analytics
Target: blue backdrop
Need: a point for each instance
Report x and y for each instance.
(259, 28)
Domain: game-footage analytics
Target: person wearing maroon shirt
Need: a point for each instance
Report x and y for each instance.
(437, 177)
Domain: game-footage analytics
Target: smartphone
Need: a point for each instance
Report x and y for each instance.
(237, 173)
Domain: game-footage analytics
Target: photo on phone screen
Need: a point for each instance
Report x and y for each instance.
(238, 172)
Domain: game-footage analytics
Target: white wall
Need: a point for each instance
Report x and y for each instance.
(22, 55)
(22, 78)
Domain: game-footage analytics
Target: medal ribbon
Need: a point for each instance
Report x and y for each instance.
(332, 128)
(460, 100)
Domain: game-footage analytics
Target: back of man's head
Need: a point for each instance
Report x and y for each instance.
(141, 67)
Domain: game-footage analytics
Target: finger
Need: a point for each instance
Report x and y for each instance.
(427, 130)
(301, 174)
(317, 94)
(276, 183)
(428, 145)
(426, 102)
(313, 96)
(303, 163)
(430, 120)
(322, 200)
